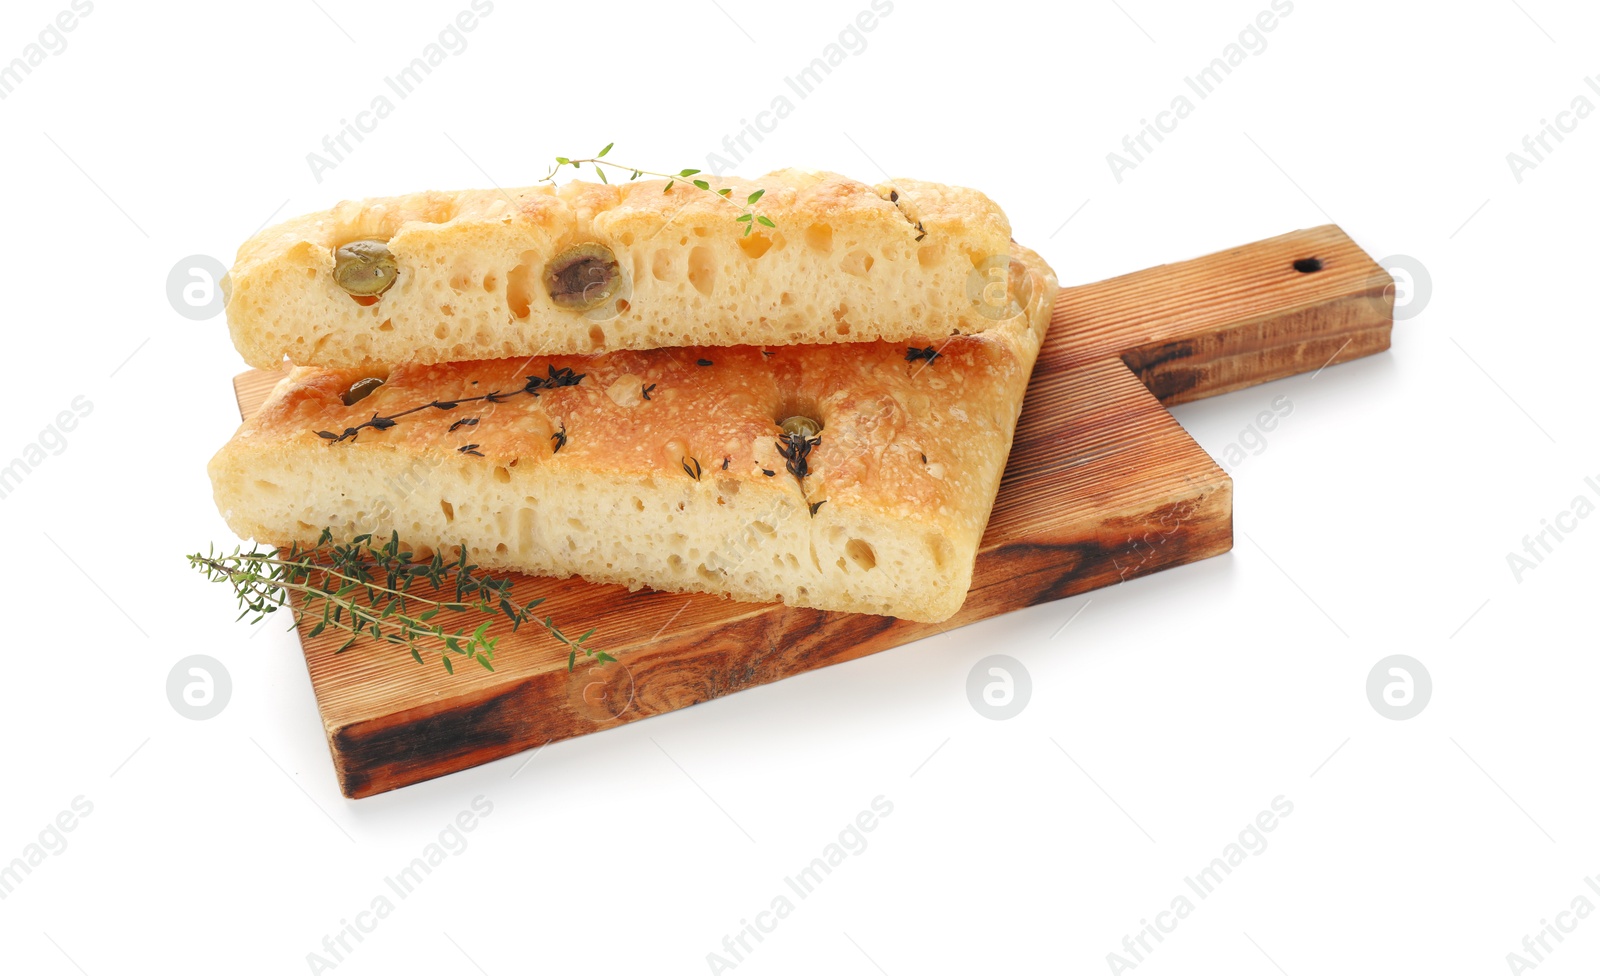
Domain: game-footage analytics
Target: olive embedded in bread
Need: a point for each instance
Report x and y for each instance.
(365, 268)
(582, 277)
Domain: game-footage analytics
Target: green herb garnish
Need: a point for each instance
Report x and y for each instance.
(747, 213)
(368, 590)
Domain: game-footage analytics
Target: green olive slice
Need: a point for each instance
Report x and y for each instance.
(582, 277)
(365, 268)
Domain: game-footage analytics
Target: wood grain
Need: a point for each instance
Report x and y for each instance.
(1102, 486)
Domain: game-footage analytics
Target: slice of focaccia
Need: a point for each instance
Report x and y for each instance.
(590, 267)
(843, 477)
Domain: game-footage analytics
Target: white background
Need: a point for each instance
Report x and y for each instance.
(1168, 714)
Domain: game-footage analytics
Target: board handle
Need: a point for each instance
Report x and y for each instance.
(1291, 304)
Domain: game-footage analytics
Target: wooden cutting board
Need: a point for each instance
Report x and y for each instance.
(1102, 486)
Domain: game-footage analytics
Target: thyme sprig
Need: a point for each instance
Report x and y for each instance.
(368, 590)
(556, 377)
(747, 212)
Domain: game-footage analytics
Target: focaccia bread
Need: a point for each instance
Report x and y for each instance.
(590, 267)
(665, 468)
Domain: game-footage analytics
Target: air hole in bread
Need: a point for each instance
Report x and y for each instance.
(520, 284)
(661, 265)
(857, 262)
(387, 325)
(860, 553)
(490, 282)
(448, 509)
(786, 299)
(266, 486)
(501, 549)
(597, 335)
(501, 474)
(700, 232)
(929, 255)
(755, 245)
(819, 237)
(703, 269)
(762, 527)
(675, 563)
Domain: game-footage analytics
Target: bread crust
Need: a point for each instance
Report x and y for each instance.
(846, 262)
(663, 467)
